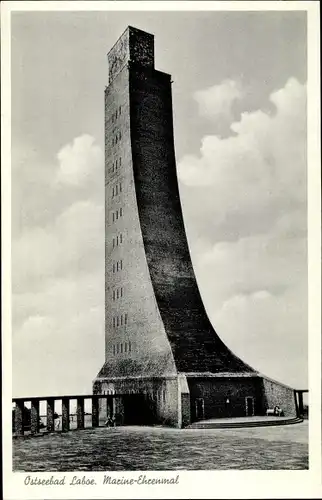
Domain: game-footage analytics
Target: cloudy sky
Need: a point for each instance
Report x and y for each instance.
(239, 96)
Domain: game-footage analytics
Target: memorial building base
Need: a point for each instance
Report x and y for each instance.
(180, 400)
(164, 362)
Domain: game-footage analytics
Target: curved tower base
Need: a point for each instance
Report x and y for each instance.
(162, 356)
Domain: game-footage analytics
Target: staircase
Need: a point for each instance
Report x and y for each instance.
(242, 423)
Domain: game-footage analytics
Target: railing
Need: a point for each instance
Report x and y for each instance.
(302, 412)
(29, 420)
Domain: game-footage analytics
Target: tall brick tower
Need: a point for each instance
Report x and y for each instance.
(160, 346)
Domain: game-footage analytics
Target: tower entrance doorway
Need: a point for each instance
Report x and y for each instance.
(138, 410)
(249, 406)
(200, 408)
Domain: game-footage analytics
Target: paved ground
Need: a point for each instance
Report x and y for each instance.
(153, 448)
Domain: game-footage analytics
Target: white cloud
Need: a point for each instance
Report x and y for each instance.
(244, 201)
(249, 180)
(269, 332)
(79, 161)
(216, 101)
(261, 262)
(41, 191)
(59, 353)
(58, 274)
(72, 244)
(68, 239)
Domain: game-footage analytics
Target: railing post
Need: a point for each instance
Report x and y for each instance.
(119, 410)
(301, 405)
(65, 414)
(50, 415)
(80, 413)
(95, 412)
(34, 416)
(109, 409)
(19, 410)
(103, 409)
(296, 403)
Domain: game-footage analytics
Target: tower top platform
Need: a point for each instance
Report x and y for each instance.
(135, 46)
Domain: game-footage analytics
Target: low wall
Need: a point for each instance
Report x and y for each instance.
(225, 396)
(276, 394)
(161, 394)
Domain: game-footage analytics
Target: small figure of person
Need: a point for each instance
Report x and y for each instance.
(41, 424)
(108, 422)
(57, 420)
(278, 411)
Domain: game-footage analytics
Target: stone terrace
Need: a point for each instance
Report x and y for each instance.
(154, 448)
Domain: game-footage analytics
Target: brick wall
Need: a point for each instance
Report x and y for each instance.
(195, 345)
(161, 395)
(185, 410)
(149, 279)
(275, 393)
(137, 345)
(216, 391)
(184, 401)
(155, 321)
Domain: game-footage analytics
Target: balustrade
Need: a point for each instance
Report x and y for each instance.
(80, 413)
(50, 415)
(30, 421)
(34, 416)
